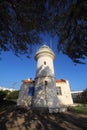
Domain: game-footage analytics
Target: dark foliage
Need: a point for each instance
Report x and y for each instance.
(13, 95)
(2, 94)
(22, 22)
(84, 96)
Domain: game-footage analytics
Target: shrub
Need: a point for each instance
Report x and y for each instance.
(13, 95)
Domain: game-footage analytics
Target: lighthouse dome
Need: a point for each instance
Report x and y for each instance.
(45, 50)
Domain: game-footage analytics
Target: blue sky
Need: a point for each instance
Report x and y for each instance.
(14, 69)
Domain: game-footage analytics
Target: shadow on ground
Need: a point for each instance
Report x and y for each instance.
(15, 118)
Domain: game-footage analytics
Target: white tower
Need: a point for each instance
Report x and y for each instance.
(45, 94)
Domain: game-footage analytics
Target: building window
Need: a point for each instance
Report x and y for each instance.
(44, 62)
(59, 92)
(31, 91)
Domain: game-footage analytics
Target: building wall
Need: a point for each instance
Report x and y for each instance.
(45, 93)
(64, 96)
(44, 66)
(25, 99)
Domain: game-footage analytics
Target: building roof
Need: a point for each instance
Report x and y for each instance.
(27, 80)
(73, 92)
(31, 81)
(61, 81)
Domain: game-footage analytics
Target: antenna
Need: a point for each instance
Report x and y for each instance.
(45, 43)
(13, 85)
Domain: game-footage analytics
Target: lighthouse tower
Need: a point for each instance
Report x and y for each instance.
(45, 94)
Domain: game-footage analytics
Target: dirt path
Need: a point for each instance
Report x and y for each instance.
(13, 118)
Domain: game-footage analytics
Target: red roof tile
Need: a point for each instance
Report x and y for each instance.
(27, 81)
(60, 81)
(57, 81)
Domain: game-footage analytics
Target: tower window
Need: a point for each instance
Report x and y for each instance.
(44, 62)
(59, 92)
(45, 82)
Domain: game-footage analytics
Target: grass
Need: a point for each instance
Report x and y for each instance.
(81, 108)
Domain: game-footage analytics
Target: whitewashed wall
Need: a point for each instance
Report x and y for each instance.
(42, 69)
(65, 98)
(24, 98)
(45, 95)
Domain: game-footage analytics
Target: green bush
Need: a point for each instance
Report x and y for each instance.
(13, 95)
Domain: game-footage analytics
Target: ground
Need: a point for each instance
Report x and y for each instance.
(15, 118)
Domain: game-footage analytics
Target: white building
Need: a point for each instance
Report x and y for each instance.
(64, 92)
(45, 91)
(10, 89)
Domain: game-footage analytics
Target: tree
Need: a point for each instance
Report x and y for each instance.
(2, 94)
(84, 96)
(23, 22)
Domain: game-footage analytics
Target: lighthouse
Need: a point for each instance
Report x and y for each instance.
(45, 94)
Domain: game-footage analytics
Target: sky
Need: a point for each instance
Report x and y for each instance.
(14, 69)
